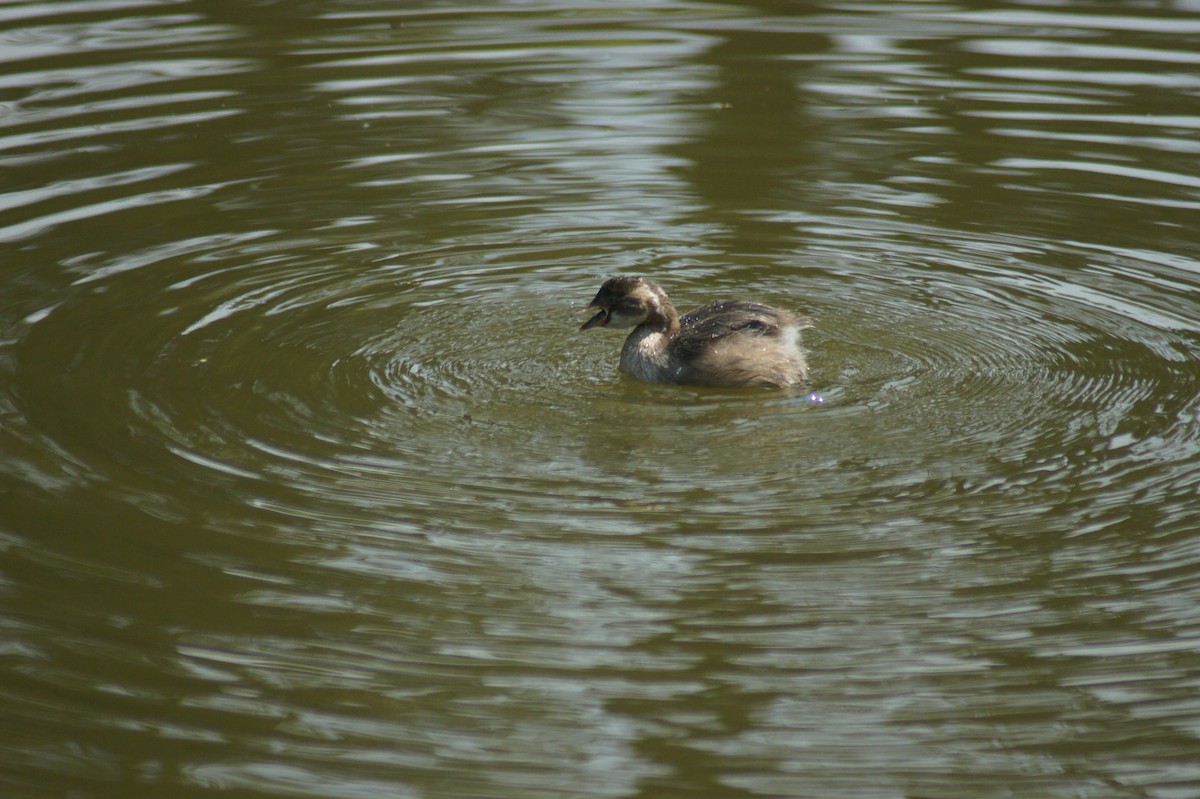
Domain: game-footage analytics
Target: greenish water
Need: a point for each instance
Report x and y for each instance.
(309, 486)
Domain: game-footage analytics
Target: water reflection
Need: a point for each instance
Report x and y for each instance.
(307, 486)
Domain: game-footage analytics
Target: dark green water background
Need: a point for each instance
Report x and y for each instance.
(309, 486)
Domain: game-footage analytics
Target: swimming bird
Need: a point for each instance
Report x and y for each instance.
(730, 343)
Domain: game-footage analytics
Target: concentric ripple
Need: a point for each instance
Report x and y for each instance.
(354, 381)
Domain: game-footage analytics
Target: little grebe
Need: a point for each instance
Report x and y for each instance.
(730, 343)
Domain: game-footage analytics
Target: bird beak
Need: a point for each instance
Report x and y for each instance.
(599, 320)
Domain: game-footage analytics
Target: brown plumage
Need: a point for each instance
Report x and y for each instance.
(730, 343)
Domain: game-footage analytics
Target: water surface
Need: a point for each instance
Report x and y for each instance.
(309, 486)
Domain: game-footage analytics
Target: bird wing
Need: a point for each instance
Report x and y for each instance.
(727, 317)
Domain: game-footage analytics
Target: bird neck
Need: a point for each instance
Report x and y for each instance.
(662, 317)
